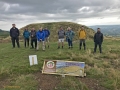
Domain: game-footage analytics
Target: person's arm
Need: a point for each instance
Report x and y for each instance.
(29, 33)
(18, 32)
(10, 32)
(64, 33)
(95, 38)
(85, 33)
(43, 35)
(48, 33)
(37, 35)
(73, 33)
(102, 38)
(79, 33)
(23, 33)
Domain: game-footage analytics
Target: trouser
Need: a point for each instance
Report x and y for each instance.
(17, 41)
(43, 44)
(70, 43)
(82, 41)
(100, 48)
(47, 41)
(34, 41)
(26, 42)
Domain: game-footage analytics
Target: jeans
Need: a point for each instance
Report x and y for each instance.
(26, 41)
(70, 43)
(82, 41)
(100, 48)
(43, 44)
(13, 41)
(34, 41)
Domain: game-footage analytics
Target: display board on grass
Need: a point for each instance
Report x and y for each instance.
(60, 67)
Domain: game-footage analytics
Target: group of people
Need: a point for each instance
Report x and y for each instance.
(42, 36)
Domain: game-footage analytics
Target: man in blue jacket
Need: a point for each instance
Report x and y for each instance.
(26, 35)
(41, 38)
(14, 34)
(47, 34)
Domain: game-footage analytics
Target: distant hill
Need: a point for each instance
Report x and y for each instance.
(4, 34)
(108, 30)
(54, 27)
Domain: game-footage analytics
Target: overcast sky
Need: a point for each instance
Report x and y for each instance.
(87, 12)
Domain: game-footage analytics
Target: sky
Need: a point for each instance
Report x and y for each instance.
(86, 12)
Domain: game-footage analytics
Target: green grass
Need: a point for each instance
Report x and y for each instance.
(105, 67)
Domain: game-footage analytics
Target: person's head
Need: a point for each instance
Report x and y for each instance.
(26, 29)
(13, 25)
(46, 28)
(68, 28)
(33, 29)
(98, 29)
(82, 27)
(40, 28)
(61, 28)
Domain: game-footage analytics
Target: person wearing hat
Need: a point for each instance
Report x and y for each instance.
(14, 34)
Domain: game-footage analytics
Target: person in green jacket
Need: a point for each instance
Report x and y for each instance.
(69, 36)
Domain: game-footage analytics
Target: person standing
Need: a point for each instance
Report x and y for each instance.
(47, 34)
(41, 38)
(14, 34)
(82, 37)
(26, 35)
(98, 39)
(61, 35)
(69, 35)
(33, 38)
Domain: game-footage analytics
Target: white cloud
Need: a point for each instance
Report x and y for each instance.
(88, 12)
(6, 6)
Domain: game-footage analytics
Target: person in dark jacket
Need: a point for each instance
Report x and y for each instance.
(14, 34)
(26, 35)
(98, 39)
(61, 35)
(47, 34)
(33, 38)
(41, 38)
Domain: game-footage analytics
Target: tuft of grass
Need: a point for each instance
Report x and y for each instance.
(71, 83)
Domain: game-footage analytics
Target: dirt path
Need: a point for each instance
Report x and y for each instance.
(50, 82)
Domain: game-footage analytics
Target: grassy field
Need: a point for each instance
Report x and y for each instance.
(103, 70)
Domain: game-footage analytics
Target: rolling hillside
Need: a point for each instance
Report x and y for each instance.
(108, 30)
(4, 34)
(54, 27)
